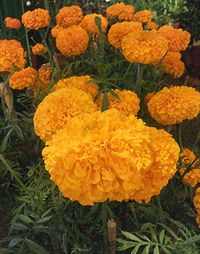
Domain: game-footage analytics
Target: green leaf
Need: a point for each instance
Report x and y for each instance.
(161, 236)
(131, 236)
(25, 219)
(45, 219)
(105, 102)
(156, 250)
(35, 247)
(19, 226)
(146, 250)
(124, 245)
(135, 250)
(191, 240)
(14, 242)
(114, 94)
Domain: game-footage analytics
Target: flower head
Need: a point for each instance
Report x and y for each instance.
(56, 109)
(187, 156)
(197, 205)
(69, 15)
(56, 30)
(152, 25)
(120, 11)
(36, 19)
(72, 41)
(39, 49)
(24, 78)
(174, 105)
(44, 76)
(88, 23)
(12, 55)
(144, 16)
(12, 23)
(109, 156)
(192, 178)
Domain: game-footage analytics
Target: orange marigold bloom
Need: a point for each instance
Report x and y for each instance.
(144, 16)
(56, 30)
(72, 41)
(44, 76)
(120, 11)
(80, 82)
(88, 23)
(148, 97)
(12, 23)
(192, 178)
(56, 109)
(36, 19)
(109, 156)
(147, 47)
(177, 38)
(174, 105)
(69, 15)
(119, 30)
(39, 49)
(24, 78)
(127, 13)
(152, 25)
(12, 55)
(172, 64)
(196, 201)
(128, 102)
(187, 156)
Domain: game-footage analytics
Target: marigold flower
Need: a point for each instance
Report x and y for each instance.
(72, 41)
(127, 13)
(152, 25)
(128, 102)
(192, 178)
(178, 39)
(187, 156)
(172, 64)
(88, 23)
(23, 78)
(12, 23)
(197, 205)
(174, 105)
(36, 19)
(144, 16)
(148, 97)
(109, 156)
(39, 49)
(80, 82)
(69, 15)
(120, 11)
(147, 47)
(44, 76)
(56, 30)
(56, 109)
(12, 55)
(119, 30)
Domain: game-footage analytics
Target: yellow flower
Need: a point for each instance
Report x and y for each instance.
(12, 55)
(147, 47)
(36, 19)
(144, 16)
(39, 49)
(88, 23)
(80, 82)
(119, 30)
(174, 105)
(56, 109)
(69, 15)
(152, 25)
(24, 78)
(109, 156)
(197, 205)
(172, 64)
(120, 11)
(128, 102)
(178, 39)
(192, 178)
(72, 41)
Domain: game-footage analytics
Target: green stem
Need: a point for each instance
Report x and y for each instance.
(140, 71)
(104, 220)
(179, 130)
(132, 208)
(159, 206)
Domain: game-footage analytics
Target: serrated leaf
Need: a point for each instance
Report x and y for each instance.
(124, 245)
(191, 240)
(156, 250)
(35, 247)
(131, 236)
(14, 242)
(105, 102)
(26, 219)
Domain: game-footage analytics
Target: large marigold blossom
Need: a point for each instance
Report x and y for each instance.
(109, 156)
(72, 41)
(178, 39)
(36, 19)
(88, 23)
(69, 15)
(56, 109)
(173, 65)
(24, 78)
(127, 103)
(12, 55)
(146, 47)
(12, 23)
(119, 30)
(83, 83)
(197, 205)
(144, 16)
(120, 11)
(174, 105)
(192, 178)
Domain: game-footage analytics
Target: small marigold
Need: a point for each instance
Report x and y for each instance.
(187, 156)
(192, 178)
(109, 156)
(69, 15)
(128, 102)
(178, 39)
(80, 82)
(39, 49)
(88, 23)
(174, 105)
(152, 25)
(12, 55)
(56, 30)
(44, 76)
(120, 11)
(24, 78)
(72, 41)
(57, 107)
(144, 16)
(127, 13)
(147, 47)
(36, 19)
(196, 201)
(172, 64)
(119, 30)
(12, 23)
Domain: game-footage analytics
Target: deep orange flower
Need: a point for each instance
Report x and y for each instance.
(88, 23)
(144, 16)
(12, 23)
(44, 76)
(120, 11)
(192, 178)
(56, 30)
(196, 201)
(39, 49)
(152, 25)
